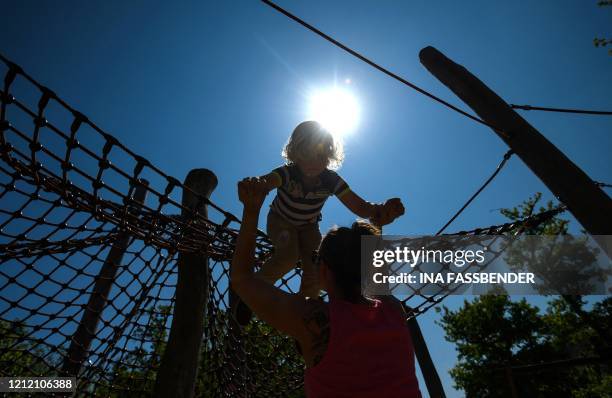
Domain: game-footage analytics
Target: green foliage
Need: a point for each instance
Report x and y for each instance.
(553, 226)
(565, 264)
(20, 353)
(603, 42)
(135, 375)
(274, 362)
(266, 361)
(270, 367)
(493, 333)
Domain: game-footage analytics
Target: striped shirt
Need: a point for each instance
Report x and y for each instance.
(298, 205)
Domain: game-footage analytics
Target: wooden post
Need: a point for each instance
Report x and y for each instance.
(179, 366)
(587, 202)
(511, 384)
(428, 369)
(432, 380)
(81, 341)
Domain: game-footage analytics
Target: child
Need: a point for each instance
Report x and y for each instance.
(303, 185)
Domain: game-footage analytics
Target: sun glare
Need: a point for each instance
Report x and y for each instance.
(336, 109)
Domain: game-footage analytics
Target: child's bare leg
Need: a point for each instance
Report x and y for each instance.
(309, 238)
(284, 237)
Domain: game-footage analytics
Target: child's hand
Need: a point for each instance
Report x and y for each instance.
(395, 207)
(251, 192)
(392, 209)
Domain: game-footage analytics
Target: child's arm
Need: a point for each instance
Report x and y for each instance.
(379, 214)
(279, 309)
(359, 206)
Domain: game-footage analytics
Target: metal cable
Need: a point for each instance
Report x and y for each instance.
(561, 110)
(380, 68)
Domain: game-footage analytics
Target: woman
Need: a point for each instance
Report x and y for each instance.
(353, 346)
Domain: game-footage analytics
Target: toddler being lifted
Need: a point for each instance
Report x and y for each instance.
(303, 185)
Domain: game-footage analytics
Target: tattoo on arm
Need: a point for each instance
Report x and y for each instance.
(316, 319)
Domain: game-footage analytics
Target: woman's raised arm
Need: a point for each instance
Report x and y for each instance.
(279, 309)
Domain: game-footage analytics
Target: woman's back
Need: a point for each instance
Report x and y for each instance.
(369, 354)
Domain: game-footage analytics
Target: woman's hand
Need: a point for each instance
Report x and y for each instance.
(251, 192)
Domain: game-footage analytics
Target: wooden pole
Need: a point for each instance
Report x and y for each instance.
(511, 384)
(428, 369)
(81, 341)
(432, 380)
(587, 202)
(430, 374)
(179, 366)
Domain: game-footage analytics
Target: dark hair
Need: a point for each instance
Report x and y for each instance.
(341, 251)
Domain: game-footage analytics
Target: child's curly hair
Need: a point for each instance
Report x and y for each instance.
(310, 139)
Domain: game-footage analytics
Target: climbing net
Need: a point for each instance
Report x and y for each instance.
(90, 236)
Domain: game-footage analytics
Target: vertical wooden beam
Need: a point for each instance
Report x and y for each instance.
(82, 338)
(432, 380)
(587, 202)
(511, 384)
(178, 370)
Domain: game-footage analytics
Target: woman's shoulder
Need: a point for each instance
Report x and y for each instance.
(316, 318)
(393, 302)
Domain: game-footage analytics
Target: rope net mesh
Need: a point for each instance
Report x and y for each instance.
(90, 235)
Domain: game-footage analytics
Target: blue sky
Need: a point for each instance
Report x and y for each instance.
(221, 85)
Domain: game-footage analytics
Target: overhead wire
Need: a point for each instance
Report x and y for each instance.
(378, 67)
(435, 98)
(561, 110)
(602, 184)
(500, 166)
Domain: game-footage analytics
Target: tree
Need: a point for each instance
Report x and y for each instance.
(603, 42)
(579, 263)
(135, 372)
(273, 366)
(20, 353)
(267, 360)
(564, 264)
(493, 333)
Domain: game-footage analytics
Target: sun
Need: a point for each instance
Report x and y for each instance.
(336, 109)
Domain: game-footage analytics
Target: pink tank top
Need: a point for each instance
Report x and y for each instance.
(369, 354)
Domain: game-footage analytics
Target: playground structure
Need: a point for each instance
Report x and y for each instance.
(117, 273)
